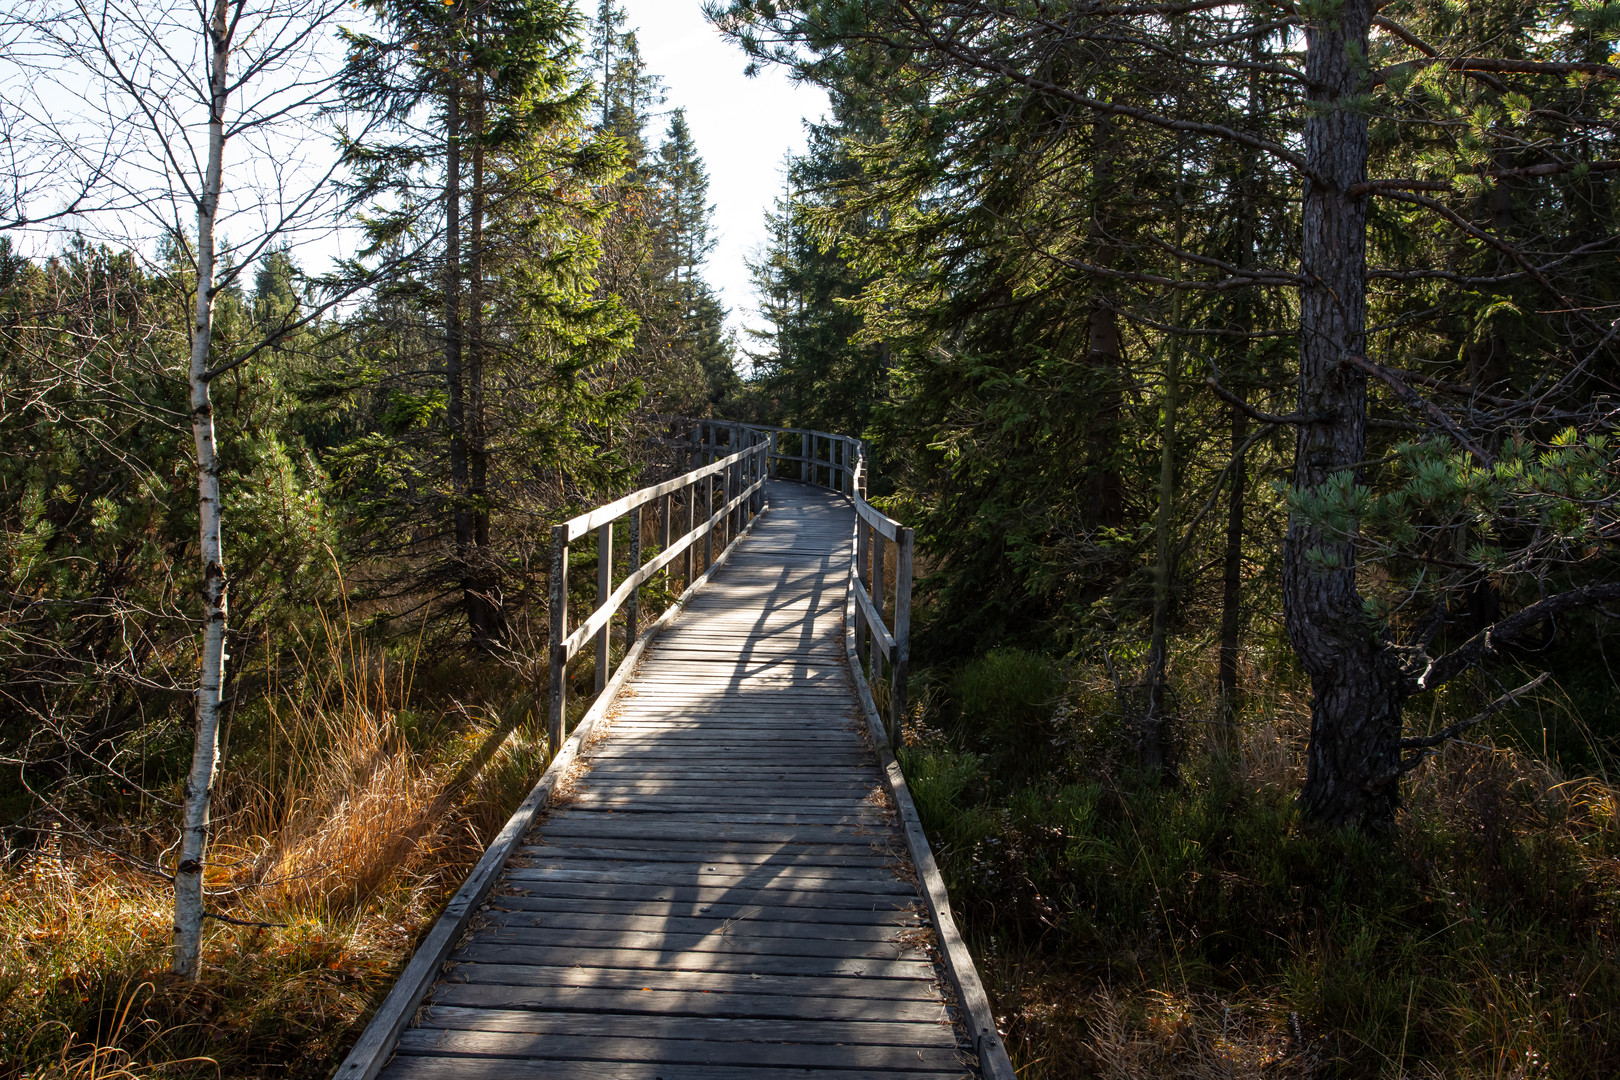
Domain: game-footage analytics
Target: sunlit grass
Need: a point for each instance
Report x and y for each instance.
(350, 811)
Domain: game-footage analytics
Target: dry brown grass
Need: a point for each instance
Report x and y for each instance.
(338, 828)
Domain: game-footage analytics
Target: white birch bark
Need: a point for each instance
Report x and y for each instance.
(188, 874)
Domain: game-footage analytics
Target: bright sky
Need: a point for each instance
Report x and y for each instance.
(743, 128)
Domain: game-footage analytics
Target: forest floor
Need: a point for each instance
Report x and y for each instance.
(1134, 930)
(1127, 929)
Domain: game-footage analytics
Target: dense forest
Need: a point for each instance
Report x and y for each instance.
(1250, 374)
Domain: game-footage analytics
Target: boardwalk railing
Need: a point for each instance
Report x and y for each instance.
(730, 492)
(837, 462)
(804, 454)
(730, 489)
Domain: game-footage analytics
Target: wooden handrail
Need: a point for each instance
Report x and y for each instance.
(842, 459)
(741, 477)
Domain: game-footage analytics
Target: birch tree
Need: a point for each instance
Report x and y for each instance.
(183, 123)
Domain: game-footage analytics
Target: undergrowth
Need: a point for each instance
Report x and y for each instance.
(1135, 930)
(357, 793)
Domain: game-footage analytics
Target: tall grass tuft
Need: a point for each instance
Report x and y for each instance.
(354, 796)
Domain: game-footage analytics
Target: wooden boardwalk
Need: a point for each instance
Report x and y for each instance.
(724, 892)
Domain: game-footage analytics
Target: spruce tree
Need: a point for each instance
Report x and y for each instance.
(488, 158)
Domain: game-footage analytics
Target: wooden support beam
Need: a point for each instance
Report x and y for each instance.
(604, 589)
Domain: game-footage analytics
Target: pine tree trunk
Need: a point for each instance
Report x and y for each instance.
(1155, 749)
(1357, 689)
(1232, 573)
(199, 784)
(1227, 684)
(483, 599)
(454, 375)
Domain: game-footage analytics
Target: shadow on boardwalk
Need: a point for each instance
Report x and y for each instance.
(726, 894)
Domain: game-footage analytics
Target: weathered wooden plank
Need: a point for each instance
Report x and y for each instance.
(638, 733)
(718, 875)
(687, 850)
(714, 771)
(884, 915)
(847, 803)
(854, 788)
(810, 898)
(448, 1042)
(754, 924)
(462, 1068)
(706, 1028)
(692, 815)
(694, 993)
(692, 946)
(649, 959)
(553, 854)
(636, 825)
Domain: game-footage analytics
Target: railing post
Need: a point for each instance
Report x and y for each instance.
(559, 632)
(691, 523)
(876, 653)
(728, 519)
(664, 508)
(694, 456)
(604, 589)
(804, 456)
(632, 605)
(708, 527)
(863, 552)
(902, 636)
(762, 470)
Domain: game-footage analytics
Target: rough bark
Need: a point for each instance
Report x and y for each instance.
(199, 784)
(1155, 742)
(1232, 572)
(483, 598)
(1352, 768)
(455, 375)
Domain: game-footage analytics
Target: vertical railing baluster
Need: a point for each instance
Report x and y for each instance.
(632, 604)
(663, 533)
(902, 636)
(559, 632)
(691, 523)
(708, 514)
(876, 653)
(604, 589)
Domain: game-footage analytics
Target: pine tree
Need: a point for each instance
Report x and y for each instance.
(489, 158)
(702, 344)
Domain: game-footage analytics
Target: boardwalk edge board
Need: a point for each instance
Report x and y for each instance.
(978, 1017)
(377, 1042)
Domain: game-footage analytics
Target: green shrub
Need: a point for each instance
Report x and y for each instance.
(1007, 700)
